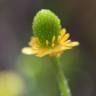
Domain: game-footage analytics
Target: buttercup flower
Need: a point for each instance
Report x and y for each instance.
(49, 38)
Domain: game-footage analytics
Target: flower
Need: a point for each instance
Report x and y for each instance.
(63, 43)
(48, 37)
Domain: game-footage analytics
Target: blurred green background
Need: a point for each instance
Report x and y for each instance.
(36, 74)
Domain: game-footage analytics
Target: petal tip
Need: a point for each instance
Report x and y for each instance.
(27, 51)
(75, 43)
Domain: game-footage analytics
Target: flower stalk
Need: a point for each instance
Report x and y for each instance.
(62, 82)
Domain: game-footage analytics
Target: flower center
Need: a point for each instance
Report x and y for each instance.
(46, 26)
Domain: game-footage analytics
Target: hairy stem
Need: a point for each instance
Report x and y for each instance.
(62, 82)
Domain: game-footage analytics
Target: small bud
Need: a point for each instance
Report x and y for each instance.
(45, 26)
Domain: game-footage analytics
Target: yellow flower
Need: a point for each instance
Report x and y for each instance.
(57, 47)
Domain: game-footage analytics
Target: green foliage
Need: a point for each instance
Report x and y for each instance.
(46, 25)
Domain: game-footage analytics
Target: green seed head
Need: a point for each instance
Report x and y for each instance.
(46, 25)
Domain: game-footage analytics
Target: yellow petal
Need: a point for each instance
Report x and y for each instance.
(72, 44)
(28, 51)
(64, 42)
(75, 43)
(43, 52)
(66, 36)
(34, 41)
(63, 31)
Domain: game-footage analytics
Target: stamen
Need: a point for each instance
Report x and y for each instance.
(53, 39)
(59, 38)
(53, 44)
(47, 42)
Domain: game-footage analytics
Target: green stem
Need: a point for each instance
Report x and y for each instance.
(62, 82)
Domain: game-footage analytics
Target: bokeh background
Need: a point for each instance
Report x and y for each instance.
(35, 76)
